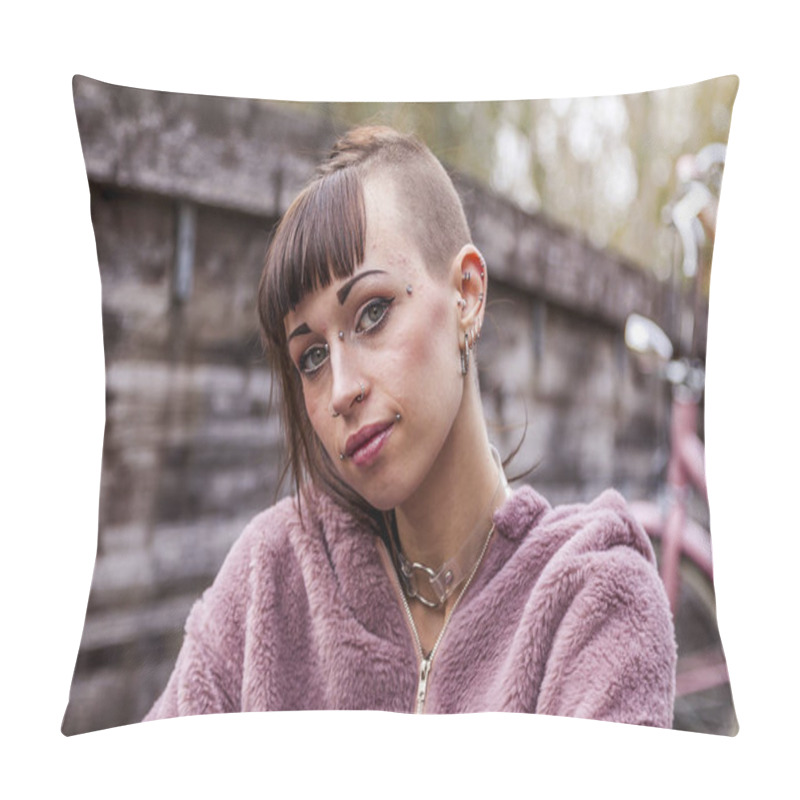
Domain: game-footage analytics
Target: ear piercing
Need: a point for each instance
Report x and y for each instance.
(470, 338)
(468, 275)
(465, 355)
(474, 334)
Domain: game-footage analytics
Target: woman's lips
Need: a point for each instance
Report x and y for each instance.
(363, 447)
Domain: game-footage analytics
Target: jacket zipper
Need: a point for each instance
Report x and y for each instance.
(422, 686)
(426, 662)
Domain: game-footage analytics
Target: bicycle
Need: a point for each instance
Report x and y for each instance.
(683, 546)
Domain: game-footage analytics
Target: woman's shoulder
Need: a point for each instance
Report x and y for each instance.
(280, 542)
(291, 524)
(600, 525)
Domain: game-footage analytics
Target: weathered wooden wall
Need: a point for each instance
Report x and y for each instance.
(190, 453)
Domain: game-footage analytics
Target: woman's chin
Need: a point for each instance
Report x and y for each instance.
(385, 497)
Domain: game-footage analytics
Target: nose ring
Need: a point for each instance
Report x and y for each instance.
(360, 397)
(335, 414)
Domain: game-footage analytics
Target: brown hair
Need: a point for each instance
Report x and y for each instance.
(321, 238)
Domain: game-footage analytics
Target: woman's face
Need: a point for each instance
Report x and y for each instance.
(368, 350)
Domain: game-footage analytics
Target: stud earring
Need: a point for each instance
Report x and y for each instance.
(467, 276)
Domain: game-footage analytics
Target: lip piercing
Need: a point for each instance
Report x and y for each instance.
(409, 289)
(341, 456)
(398, 417)
(341, 336)
(361, 396)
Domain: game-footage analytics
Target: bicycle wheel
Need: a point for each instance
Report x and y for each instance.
(703, 702)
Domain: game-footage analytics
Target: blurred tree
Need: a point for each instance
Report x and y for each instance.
(604, 166)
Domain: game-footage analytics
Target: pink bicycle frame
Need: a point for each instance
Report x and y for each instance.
(686, 467)
(679, 534)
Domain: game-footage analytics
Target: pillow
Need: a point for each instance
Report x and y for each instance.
(596, 217)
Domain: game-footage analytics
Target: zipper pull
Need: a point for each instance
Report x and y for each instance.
(422, 688)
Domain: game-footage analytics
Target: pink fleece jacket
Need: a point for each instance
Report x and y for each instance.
(565, 616)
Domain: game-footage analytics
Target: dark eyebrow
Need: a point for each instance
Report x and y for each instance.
(298, 331)
(345, 290)
(341, 295)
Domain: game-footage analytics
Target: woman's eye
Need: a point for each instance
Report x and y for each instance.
(313, 359)
(372, 315)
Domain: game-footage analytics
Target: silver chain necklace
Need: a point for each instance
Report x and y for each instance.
(442, 582)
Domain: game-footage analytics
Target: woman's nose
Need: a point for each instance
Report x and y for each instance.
(348, 385)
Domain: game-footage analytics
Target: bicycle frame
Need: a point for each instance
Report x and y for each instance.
(678, 533)
(686, 468)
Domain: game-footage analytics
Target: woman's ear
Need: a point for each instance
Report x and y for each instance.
(469, 278)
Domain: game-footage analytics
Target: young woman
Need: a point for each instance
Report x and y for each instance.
(404, 574)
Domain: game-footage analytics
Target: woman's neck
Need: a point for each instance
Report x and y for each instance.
(458, 496)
